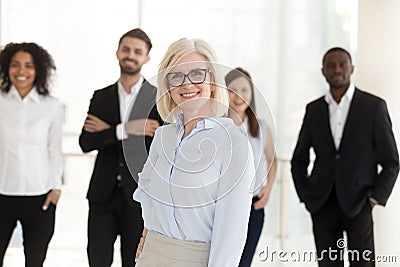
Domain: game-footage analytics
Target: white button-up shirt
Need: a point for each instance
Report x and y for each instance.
(30, 143)
(258, 145)
(199, 188)
(338, 113)
(126, 102)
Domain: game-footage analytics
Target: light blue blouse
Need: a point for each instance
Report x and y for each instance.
(200, 188)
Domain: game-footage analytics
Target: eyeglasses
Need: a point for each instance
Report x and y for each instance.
(196, 76)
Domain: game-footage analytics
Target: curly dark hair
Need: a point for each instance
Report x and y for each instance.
(44, 65)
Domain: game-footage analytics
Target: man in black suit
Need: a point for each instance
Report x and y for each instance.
(121, 122)
(355, 168)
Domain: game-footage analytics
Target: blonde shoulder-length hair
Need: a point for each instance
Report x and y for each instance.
(165, 105)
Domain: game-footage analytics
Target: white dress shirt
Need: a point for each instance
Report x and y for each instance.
(30, 143)
(258, 145)
(199, 188)
(126, 102)
(338, 113)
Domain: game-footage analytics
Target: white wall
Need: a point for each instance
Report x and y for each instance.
(378, 71)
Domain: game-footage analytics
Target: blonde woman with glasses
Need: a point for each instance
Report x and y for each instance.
(194, 187)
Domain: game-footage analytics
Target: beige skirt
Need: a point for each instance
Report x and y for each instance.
(160, 250)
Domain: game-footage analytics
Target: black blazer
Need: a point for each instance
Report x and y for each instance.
(111, 160)
(367, 142)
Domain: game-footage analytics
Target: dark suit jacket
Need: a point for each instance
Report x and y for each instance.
(352, 169)
(124, 158)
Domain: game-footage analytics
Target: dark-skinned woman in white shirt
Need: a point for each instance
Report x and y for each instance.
(30, 149)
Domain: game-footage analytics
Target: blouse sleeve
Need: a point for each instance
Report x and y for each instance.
(143, 193)
(54, 147)
(263, 135)
(232, 207)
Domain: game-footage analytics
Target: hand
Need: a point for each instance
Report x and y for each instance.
(52, 197)
(141, 243)
(141, 127)
(93, 124)
(263, 198)
(372, 204)
(139, 248)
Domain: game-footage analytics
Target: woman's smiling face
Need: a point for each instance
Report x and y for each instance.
(22, 71)
(189, 96)
(240, 94)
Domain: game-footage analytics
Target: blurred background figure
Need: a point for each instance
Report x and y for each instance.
(120, 125)
(356, 163)
(30, 149)
(243, 112)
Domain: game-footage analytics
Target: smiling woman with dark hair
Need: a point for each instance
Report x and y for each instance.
(44, 65)
(30, 149)
(243, 112)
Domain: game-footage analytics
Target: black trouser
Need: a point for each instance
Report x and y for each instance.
(106, 221)
(37, 226)
(256, 222)
(328, 226)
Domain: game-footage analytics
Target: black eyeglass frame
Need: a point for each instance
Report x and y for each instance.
(187, 76)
